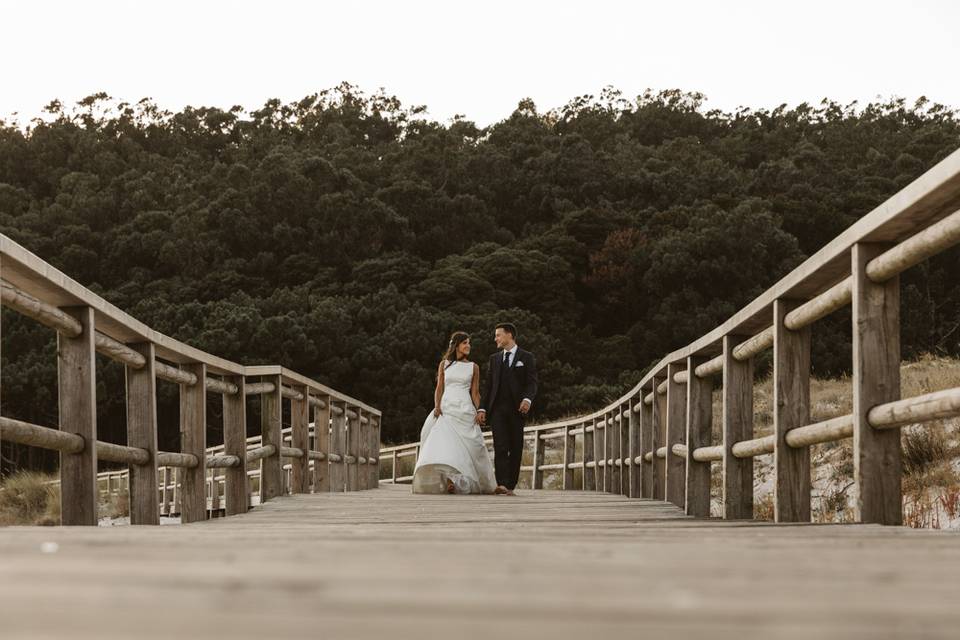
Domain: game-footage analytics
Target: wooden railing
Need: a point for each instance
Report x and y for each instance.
(656, 442)
(342, 457)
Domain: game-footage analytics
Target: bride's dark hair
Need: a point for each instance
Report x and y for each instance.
(455, 340)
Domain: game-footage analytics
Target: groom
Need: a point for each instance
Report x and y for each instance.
(509, 389)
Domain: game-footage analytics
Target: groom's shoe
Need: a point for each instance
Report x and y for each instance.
(501, 490)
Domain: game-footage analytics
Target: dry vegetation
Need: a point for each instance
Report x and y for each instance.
(28, 498)
(33, 499)
(931, 452)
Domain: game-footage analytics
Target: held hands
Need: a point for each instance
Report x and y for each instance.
(525, 407)
(481, 418)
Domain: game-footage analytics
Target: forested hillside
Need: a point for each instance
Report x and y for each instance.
(346, 235)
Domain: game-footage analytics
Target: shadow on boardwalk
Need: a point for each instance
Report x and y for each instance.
(385, 563)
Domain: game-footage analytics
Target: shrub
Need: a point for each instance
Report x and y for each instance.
(28, 498)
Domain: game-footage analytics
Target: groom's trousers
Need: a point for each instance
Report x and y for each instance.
(507, 426)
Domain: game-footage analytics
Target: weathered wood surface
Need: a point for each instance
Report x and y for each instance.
(142, 433)
(388, 564)
(791, 409)
(77, 389)
(876, 380)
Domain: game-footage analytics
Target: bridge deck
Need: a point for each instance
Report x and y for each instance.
(385, 564)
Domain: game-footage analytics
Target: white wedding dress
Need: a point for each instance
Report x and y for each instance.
(451, 446)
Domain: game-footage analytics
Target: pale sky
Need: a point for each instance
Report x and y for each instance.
(476, 58)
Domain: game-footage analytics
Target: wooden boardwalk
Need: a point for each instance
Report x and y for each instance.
(547, 564)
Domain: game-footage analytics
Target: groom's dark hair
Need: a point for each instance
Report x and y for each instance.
(509, 328)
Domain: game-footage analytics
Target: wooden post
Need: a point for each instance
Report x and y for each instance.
(600, 451)
(791, 409)
(589, 473)
(699, 423)
(737, 427)
(300, 439)
(338, 473)
(601, 447)
(375, 468)
(271, 428)
(321, 442)
(538, 450)
(613, 450)
(647, 430)
(215, 495)
(236, 487)
(165, 492)
(193, 440)
(676, 434)
(659, 440)
(635, 470)
(76, 386)
(353, 449)
(569, 457)
(610, 441)
(176, 490)
(876, 379)
(396, 460)
(624, 450)
(142, 433)
(361, 447)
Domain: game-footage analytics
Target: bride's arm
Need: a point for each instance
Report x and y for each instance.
(438, 392)
(475, 385)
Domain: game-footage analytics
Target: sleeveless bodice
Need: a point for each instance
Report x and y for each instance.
(456, 400)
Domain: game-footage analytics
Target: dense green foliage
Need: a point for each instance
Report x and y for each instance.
(345, 236)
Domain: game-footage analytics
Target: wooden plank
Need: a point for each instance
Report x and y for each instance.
(699, 422)
(676, 430)
(659, 465)
(236, 486)
(193, 440)
(737, 417)
(142, 432)
(876, 380)
(76, 386)
(321, 442)
(271, 427)
(299, 433)
(791, 409)
(589, 450)
(611, 548)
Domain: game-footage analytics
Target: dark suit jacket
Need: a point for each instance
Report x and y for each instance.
(522, 384)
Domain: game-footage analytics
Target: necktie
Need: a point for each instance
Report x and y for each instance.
(506, 358)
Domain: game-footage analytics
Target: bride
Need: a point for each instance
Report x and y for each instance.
(453, 457)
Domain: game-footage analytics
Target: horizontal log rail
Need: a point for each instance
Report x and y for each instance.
(189, 481)
(623, 447)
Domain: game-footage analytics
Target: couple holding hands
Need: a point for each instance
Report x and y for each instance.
(453, 457)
